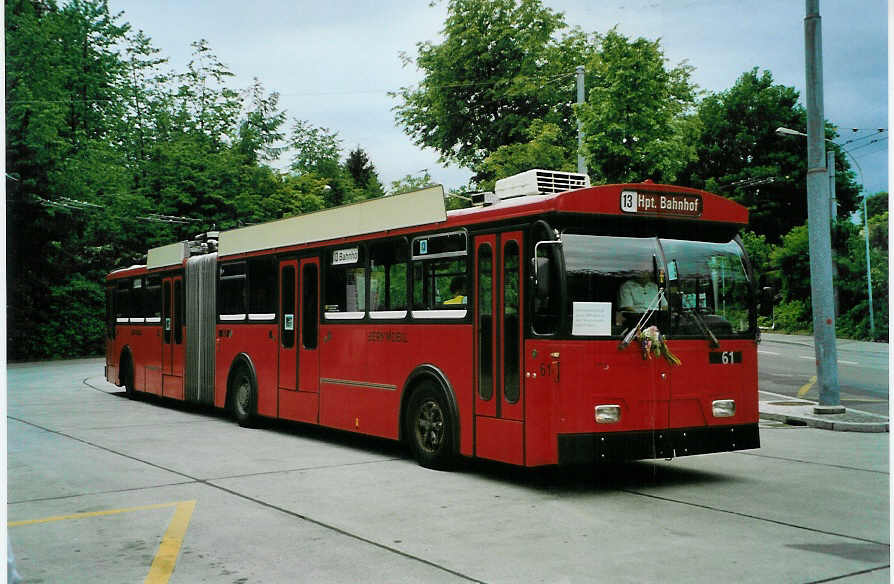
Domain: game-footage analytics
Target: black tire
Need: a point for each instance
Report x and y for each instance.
(127, 377)
(429, 427)
(243, 397)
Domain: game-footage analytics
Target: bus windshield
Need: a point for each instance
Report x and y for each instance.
(690, 288)
(709, 288)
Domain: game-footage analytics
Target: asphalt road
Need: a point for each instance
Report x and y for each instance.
(104, 489)
(787, 366)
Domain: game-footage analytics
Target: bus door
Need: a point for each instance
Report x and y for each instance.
(499, 401)
(298, 369)
(288, 323)
(173, 347)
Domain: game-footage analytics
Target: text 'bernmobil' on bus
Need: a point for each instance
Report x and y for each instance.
(553, 322)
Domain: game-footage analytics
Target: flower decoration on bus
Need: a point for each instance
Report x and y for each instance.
(652, 343)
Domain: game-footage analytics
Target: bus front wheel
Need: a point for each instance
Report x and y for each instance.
(430, 427)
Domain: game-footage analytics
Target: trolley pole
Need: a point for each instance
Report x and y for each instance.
(581, 163)
(818, 218)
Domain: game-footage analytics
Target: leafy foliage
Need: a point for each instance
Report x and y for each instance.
(634, 121)
(107, 156)
(739, 154)
(499, 68)
(541, 151)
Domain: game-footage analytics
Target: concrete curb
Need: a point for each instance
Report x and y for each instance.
(800, 413)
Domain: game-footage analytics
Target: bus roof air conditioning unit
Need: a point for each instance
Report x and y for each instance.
(482, 199)
(540, 182)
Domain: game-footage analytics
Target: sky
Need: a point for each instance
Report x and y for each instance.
(333, 62)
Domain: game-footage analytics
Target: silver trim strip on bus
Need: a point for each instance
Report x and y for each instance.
(366, 384)
(268, 316)
(388, 314)
(232, 317)
(343, 315)
(439, 313)
(422, 207)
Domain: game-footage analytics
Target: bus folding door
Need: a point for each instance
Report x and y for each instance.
(173, 346)
(298, 368)
(499, 401)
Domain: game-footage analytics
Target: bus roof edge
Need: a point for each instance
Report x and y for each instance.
(381, 214)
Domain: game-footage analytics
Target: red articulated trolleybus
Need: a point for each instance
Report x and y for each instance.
(553, 322)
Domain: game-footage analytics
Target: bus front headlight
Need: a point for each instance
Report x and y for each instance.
(724, 408)
(608, 414)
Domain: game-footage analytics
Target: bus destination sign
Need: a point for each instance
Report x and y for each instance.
(655, 203)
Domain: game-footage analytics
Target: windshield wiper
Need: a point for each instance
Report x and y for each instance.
(704, 327)
(654, 304)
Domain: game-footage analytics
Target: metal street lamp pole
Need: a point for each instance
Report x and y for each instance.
(868, 272)
(818, 217)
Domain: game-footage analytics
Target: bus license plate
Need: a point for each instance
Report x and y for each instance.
(724, 357)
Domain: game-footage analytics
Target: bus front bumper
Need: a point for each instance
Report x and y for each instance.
(668, 443)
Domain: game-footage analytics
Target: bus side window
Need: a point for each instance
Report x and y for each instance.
(440, 285)
(152, 300)
(388, 279)
(345, 285)
(110, 312)
(261, 289)
(122, 301)
(232, 300)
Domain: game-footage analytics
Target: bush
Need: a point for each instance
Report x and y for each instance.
(793, 316)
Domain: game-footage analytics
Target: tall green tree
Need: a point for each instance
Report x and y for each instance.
(363, 173)
(635, 118)
(64, 105)
(501, 66)
(260, 133)
(739, 154)
(543, 150)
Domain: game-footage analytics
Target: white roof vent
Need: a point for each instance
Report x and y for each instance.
(540, 182)
(483, 199)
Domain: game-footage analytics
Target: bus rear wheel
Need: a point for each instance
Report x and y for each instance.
(243, 397)
(429, 428)
(127, 377)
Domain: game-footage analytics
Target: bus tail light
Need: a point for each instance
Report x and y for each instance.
(608, 414)
(724, 408)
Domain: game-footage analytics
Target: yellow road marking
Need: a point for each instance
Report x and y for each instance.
(90, 514)
(169, 549)
(806, 387)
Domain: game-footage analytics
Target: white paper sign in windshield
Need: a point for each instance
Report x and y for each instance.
(591, 319)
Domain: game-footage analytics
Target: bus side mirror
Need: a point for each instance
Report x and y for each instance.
(766, 301)
(542, 273)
